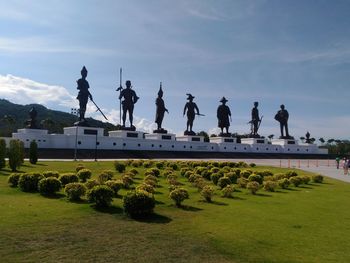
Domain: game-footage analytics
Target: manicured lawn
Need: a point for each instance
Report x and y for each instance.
(310, 223)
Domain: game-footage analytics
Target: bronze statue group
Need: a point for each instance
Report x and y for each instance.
(128, 99)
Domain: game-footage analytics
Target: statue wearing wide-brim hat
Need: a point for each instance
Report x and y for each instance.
(223, 100)
(189, 96)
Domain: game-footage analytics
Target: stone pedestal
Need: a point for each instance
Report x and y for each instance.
(80, 130)
(220, 139)
(161, 136)
(189, 138)
(284, 142)
(253, 141)
(32, 131)
(126, 134)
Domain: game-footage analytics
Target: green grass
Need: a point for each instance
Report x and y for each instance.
(310, 223)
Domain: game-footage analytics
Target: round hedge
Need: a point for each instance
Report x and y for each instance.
(138, 203)
(49, 186)
(101, 195)
(75, 191)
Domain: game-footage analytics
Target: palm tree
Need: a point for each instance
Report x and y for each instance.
(322, 141)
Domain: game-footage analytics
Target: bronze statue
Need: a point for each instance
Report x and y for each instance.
(255, 121)
(282, 117)
(191, 108)
(307, 138)
(130, 98)
(31, 123)
(83, 96)
(160, 111)
(223, 114)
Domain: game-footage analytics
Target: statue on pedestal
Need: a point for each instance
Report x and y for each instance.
(160, 111)
(83, 97)
(130, 98)
(307, 138)
(223, 115)
(192, 110)
(255, 122)
(31, 123)
(282, 117)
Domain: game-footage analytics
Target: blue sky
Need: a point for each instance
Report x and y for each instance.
(291, 52)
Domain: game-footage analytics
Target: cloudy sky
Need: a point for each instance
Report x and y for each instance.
(292, 52)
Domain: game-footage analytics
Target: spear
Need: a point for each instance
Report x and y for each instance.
(120, 99)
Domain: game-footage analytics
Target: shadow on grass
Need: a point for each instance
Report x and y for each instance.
(158, 193)
(214, 202)
(79, 202)
(305, 187)
(38, 164)
(153, 219)
(263, 195)
(108, 210)
(159, 202)
(54, 196)
(292, 189)
(190, 208)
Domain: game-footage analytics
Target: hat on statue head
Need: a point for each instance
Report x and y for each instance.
(190, 97)
(84, 70)
(160, 92)
(223, 100)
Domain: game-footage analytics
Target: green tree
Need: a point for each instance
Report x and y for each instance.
(15, 155)
(33, 152)
(2, 153)
(322, 141)
(205, 135)
(9, 122)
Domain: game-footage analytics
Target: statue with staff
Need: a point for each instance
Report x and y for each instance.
(224, 117)
(160, 111)
(192, 110)
(130, 98)
(255, 121)
(83, 96)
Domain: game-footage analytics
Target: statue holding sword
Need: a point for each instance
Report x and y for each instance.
(255, 121)
(224, 117)
(192, 111)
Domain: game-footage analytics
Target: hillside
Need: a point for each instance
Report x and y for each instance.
(55, 120)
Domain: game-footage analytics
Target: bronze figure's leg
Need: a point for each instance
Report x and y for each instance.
(124, 114)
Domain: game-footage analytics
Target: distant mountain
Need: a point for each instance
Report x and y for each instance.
(14, 116)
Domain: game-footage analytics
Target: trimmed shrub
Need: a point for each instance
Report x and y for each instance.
(255, 178)
(290, 174)
(79, 167)
(153, 171)
(188, 174)
(233, 177)
(227, 191)
(206, 174)
(133, 171)
(91, 183)
(183, 170)
(67, 178)
(49, 186)
(215, 177)
(74, 191)
(305, 179)
(173, 166)
(13, 179)
(252, 165)
(236, 171)
(178, 195)
(105, 176)
(47, 174)
(223, 182)
(28, 182)
(146, 187)
(317, 178)
(151, 177)
(269, 178)
(242, 182)
(283, 183)
(160, 165)
(225, 169)
(214, 170)
(15, 154)
(138, 204)
(270, 186)
(194, 177)
(127, 181)
(200, 183)
(245, 173)
(33, 152)
(242, 164)
(115, 185)
(101, 195)
(2, 153)
(266, 173)
(147, 164)
(295, 180)
(119, 166)
(84, 174)
(253, 187)
(207, 192)
(280, 176)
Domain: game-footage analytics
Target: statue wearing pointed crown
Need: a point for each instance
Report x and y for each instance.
(160, 111)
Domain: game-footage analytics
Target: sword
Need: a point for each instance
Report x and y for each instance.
(200, 114)
(262, 116)
(98, 109)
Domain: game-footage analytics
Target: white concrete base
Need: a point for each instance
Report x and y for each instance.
(127, 134)
(80, 130)
(32, 131)
(190, 138)
(222, 139)
(284, 142)
(254, 141)
(161, 136)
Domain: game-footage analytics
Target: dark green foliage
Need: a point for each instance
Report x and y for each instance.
(317, 178)
(101, 195)
(115, 185)
(146, 187)
(193, 177)
(295, 180)
(252, 164)
(283, 183)
(119, 166)
(255, 178)
(178, 195)
(280, 176)
(266, 173)
(236, 171)
(253, 187)
(67, 178)
(105, 176)
(51, 174)
(270, 186)
(245, 173)
(127, 181)
(49, 186)
(223, 182)
(215, 178)
(305, 179)
(160, 165)
(84, 174)
(188, 173)
(290, 174)
(206, 174)
(91, 183)
(133, 171)
(147, 164)
(233, 177)
(153, 171)
(138, 204)
(13, 179)
(15, 154)
(227, 191)
(2, 153)
(242, 182)
(207, 192)
(74, 191)
(183, 171)
(173, 166)
(33, 152)
(242, 164)
(28, 182)
(79, 167)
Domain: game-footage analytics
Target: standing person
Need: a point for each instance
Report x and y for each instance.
(160, 110)
(345, 165)
(83, 95)
(282, 117)
(337, 161)
(223, 114)
(130, 98)
(191, 109)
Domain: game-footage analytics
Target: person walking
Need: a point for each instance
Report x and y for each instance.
(345, 165)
